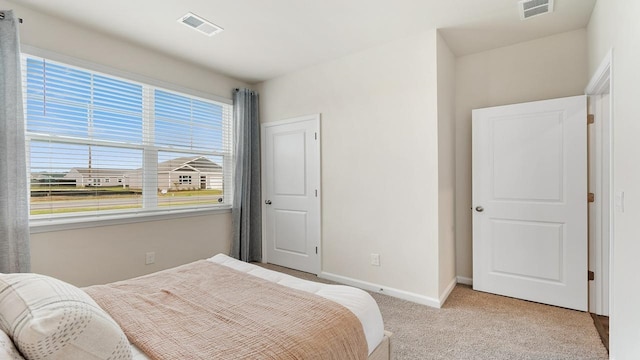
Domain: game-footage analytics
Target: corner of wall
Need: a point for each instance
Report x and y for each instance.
(379, 106)
(446, 64)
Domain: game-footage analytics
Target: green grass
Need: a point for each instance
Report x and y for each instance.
(120, 188)
(79, 189)
(104, 194)
(83, 209)
(181, 198)
(53, 199)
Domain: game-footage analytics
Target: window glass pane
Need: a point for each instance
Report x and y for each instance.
(58, 83)
(117, 127)
(70, 102)
(117, 110)
(188, 123)
(57, 119)
(189, 179)
(71, 178)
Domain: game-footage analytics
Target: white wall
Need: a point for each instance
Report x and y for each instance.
(103, 254)
(614, 25)
(379, 159)
(95, 255)
(446, 166)
(546, 68)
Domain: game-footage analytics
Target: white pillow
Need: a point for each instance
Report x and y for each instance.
(49, 319)
(7, 349)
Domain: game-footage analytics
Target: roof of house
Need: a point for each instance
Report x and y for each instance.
(189, 163)
(47, 175)
(101, 171)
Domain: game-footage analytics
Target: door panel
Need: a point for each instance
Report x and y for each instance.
(527, 158)
(289, 170)
(292, 201)
(530, 201)
(527, 249)
(290, 230)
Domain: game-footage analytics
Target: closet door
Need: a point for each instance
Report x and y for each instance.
(530, 201)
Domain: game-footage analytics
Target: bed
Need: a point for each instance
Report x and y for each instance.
(183, 313)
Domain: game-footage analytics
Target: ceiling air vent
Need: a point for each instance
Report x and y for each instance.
(531, 8)
(201, 24)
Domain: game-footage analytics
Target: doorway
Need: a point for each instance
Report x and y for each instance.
(601, 239)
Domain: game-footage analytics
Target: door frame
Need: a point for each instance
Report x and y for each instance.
(601, 249)
(318, 180)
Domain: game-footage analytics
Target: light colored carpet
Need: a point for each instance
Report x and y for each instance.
(475, 325)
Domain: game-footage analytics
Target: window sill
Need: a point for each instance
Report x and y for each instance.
(61, 224)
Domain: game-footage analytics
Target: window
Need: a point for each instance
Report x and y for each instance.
(85, 128)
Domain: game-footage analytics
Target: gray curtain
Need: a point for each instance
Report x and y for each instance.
(14, 198)
(247, 222)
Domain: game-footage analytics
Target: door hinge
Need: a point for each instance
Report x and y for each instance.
(316, 192)
(591, 275)
(316, 249)
(315, 135)
(591, 119)
(591, 197)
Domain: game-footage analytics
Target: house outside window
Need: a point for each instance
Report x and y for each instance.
(87, 128)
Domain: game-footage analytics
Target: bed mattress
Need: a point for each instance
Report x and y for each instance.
(360, 303)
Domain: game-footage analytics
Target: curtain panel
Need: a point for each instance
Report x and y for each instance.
(14, 192)
(247, 207)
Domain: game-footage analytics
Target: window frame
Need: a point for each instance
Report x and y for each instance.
(117, 217)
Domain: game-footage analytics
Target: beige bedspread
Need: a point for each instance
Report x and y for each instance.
(208, 311)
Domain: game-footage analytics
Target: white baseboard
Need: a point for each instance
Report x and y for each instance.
(447, 291)
(380, 289)
(464, 280)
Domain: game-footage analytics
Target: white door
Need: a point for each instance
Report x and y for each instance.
(530, 201)
(291, 151)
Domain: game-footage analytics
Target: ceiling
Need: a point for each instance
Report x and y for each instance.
(263, 39)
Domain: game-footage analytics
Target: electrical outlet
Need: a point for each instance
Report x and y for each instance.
(150, 258)
(375, 259)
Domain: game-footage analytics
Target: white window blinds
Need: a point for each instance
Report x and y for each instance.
(99, 144)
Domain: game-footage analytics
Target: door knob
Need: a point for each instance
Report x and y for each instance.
(268, 202)
(479, 209)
